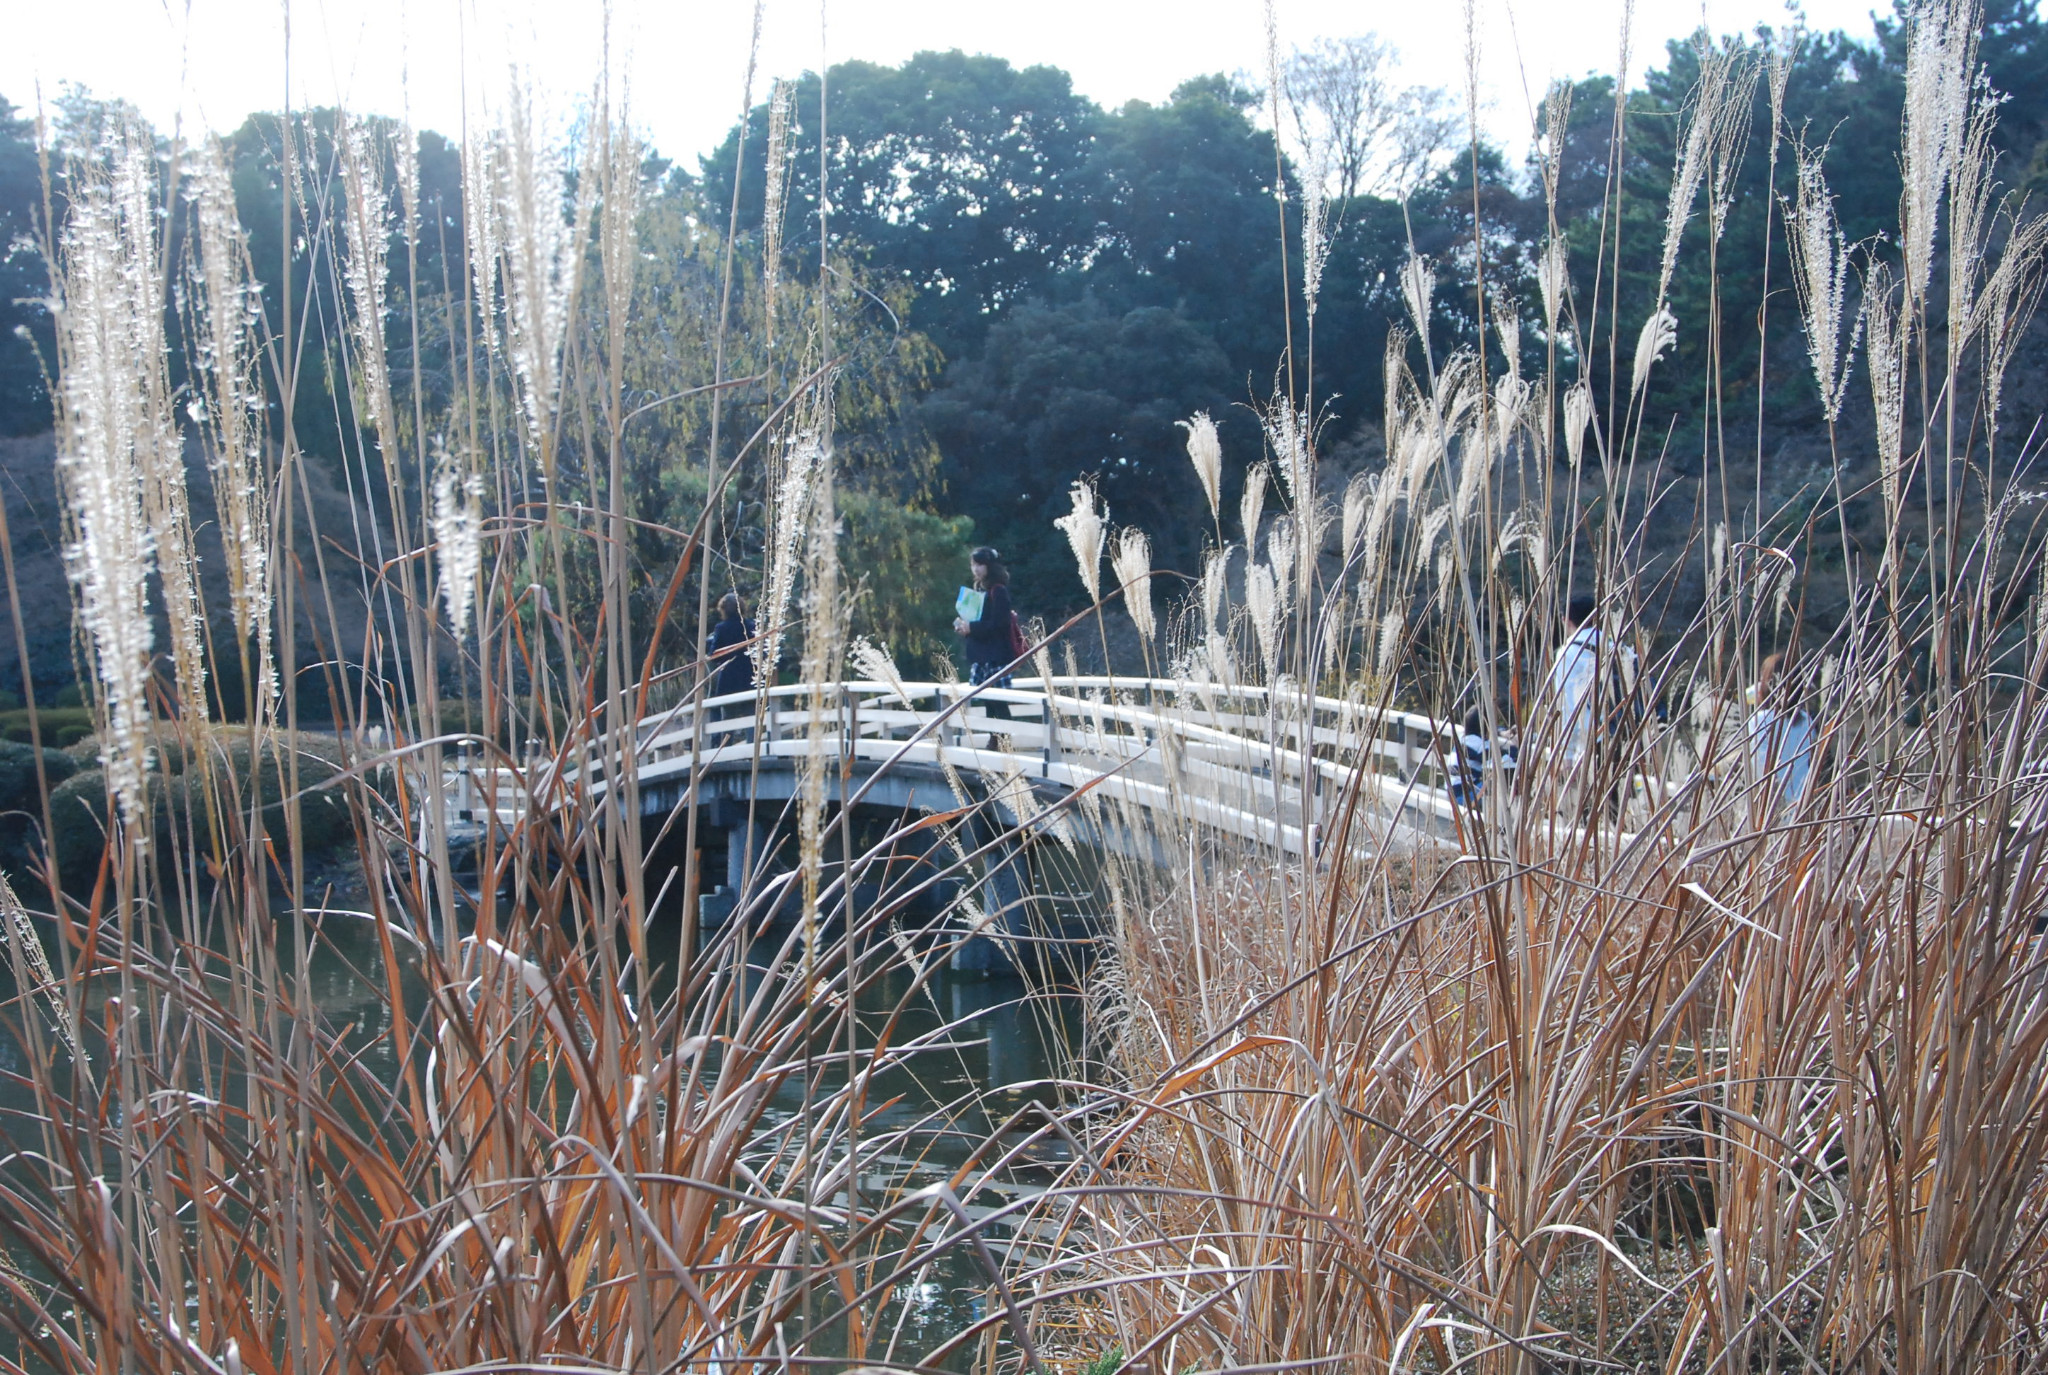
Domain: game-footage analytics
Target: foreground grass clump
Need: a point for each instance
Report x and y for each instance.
(1710, 1036)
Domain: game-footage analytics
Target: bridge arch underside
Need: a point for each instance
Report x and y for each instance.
(1034, 889)
(1036, 893)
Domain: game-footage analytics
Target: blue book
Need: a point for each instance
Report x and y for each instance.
(967, 606)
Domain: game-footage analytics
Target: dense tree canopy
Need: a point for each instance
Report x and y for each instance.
(1042, 288)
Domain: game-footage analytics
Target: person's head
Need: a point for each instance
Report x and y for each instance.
(729, 606)
(1580, 610)
(1473, 722)
(988, 567)
(1773, 676)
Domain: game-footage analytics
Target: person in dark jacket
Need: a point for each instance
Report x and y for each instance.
(732, 666)
(989, 648)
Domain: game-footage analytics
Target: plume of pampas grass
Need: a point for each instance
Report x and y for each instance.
(1578, 418)
(1215, 586)
(1251, 504)
(366, 270)
(32, 970)
(1941, 49)
(1388, 651)
(1716, 111)
(483, 226)
(1820, 272)
(1418, 283)
(2008, 304)
(874, 663)
(1131, 557)
(1289, 433)
(1084, 526)
(1885, 334)
(1315, 237)
(1205, 451)
(774, 196)
(1282, 544)
(109, 427)
(790, 522)
(1553, 279)
(543, 260)
(1507, 323)
(1358, 501)
(1659, 334)
(458, 533)
(1262, 600)
(225, 305)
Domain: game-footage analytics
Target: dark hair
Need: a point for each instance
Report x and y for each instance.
(1580, 609)
(993, 562)
(1472, 722)
(729, 606)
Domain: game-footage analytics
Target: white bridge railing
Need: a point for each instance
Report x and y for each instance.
(1239, 760)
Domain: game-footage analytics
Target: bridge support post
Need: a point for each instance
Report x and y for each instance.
(1002, 900)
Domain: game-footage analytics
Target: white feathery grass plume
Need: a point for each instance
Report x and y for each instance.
(458, 535)
(1475, 467)
(1941, 50)
(543, 259)
(1418, 283)
(1510, 406)
(1251, 505)
(1717, 562)
(1131, 557)
(1578, 417)
(366, 270)
(1972, 187)
(226, 305)
(1222, 664)
(29, 958)
(1431, 530)
(1695, 151)
(112, 322)
(484, 227)
(1524, 531)
(1281, 547)
(1014, 792)
(1041, 649)
(1422, 450)
(1205, 451)
(1553, 278)
(2010, 298)
(1446, 565)
(874, 663)
(1885, 333)
(1358, 504)
(1507, 323)
(1084, 526)
(1315, 218)
(1375, 537)
(1215, 586)
(790, 521)
(1388, 651)
(1288, 431)
(1728, 140)
(1820, 272)
(1660, 333)
(1262, 600)
(774, 196)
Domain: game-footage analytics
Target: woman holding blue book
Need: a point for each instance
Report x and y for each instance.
(983, 617)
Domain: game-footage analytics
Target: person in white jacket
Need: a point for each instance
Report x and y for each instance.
(1583, 661)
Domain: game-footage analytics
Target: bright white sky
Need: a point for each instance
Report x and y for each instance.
(215, 61)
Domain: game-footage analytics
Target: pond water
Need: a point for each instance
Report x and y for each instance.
(1009, 1041)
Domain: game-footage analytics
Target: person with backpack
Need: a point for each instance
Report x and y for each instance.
(994, 640)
